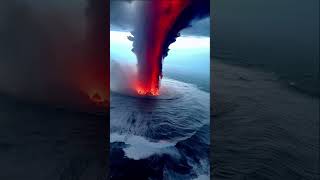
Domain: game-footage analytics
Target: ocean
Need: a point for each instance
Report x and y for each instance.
(164, 137)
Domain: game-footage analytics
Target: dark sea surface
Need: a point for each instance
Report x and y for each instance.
(41, 141)
(165, 137)
(301, 75)
(265, 89)
(261, 128)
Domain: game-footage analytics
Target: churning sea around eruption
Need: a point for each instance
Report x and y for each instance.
(165, 136)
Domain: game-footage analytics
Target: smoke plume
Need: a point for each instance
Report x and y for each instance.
(54, 51)
(158, 25)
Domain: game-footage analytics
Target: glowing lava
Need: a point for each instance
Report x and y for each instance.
(151, 92)
(150, 41)
(97, 97)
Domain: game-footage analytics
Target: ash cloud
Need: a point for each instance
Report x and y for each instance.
(46, 48)
(198, 9)
(123, 16)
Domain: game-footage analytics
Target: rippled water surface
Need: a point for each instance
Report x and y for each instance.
(164, 137)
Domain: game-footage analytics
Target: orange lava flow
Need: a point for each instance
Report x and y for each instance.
(151, 92)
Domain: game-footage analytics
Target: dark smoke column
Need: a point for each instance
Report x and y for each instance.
(98, 48)
(158, 25)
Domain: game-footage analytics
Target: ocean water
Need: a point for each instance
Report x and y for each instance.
(164, 137)
(299, 74)
(261, 129)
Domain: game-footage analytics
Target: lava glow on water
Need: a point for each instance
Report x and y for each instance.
(151, 92)
(149, 39)
(143, 91)
(97, 97)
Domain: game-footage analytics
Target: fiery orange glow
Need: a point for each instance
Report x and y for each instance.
(147, 92)
(97, 97)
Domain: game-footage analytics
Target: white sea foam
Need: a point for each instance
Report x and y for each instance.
(153, 126)
(202, 177)
(141, 148)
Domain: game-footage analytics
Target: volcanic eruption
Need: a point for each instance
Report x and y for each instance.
(97, 80)
(158, 132)
(158, 25)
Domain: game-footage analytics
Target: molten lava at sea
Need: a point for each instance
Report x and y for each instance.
(148, 92)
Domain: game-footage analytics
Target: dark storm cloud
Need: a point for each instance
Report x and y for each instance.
(123, 14)
(198, 28)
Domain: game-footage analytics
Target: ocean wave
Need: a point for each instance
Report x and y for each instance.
(174, 116)
(141, 148)
(167, 137)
